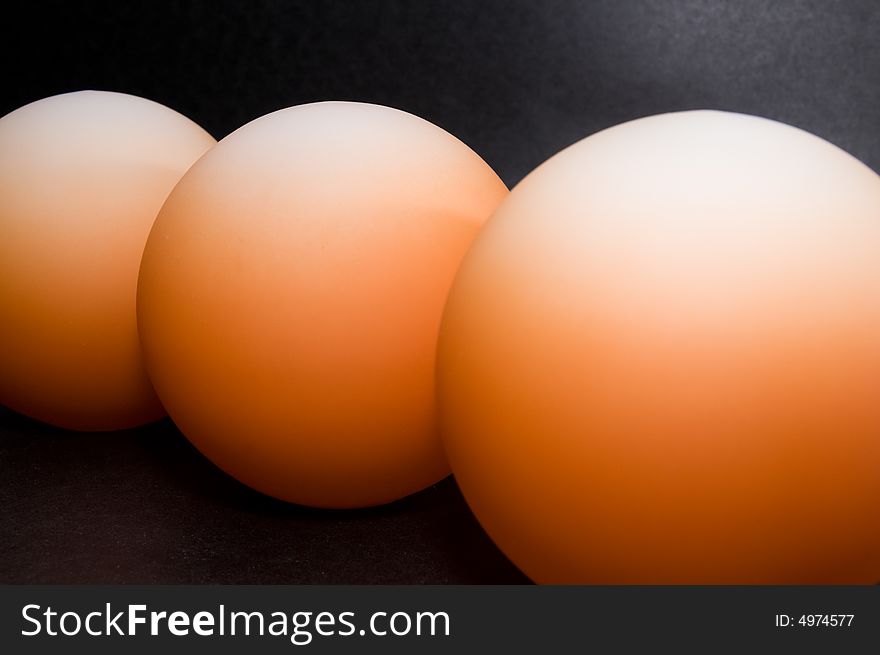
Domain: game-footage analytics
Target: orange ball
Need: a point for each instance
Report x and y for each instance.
(82, 177)
(660, 360)
(291, 292)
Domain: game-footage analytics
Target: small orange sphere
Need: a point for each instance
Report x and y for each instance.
(82, 177)
(291, 292)
(660, 360)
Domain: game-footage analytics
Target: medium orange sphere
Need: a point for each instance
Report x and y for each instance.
(660, 360)
(82, 177)
(290, 297)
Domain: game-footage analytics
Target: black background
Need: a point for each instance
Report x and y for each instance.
(517, 81)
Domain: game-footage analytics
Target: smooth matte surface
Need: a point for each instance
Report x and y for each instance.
(290, 295)
(659, 362)
(82, 177)
(515, 80)
(142, 506)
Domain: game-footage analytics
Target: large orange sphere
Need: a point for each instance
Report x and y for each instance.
(660, 360)
(82, 177)
(291, 292)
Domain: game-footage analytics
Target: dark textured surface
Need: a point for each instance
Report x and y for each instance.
(143, 506)
(517, 81)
